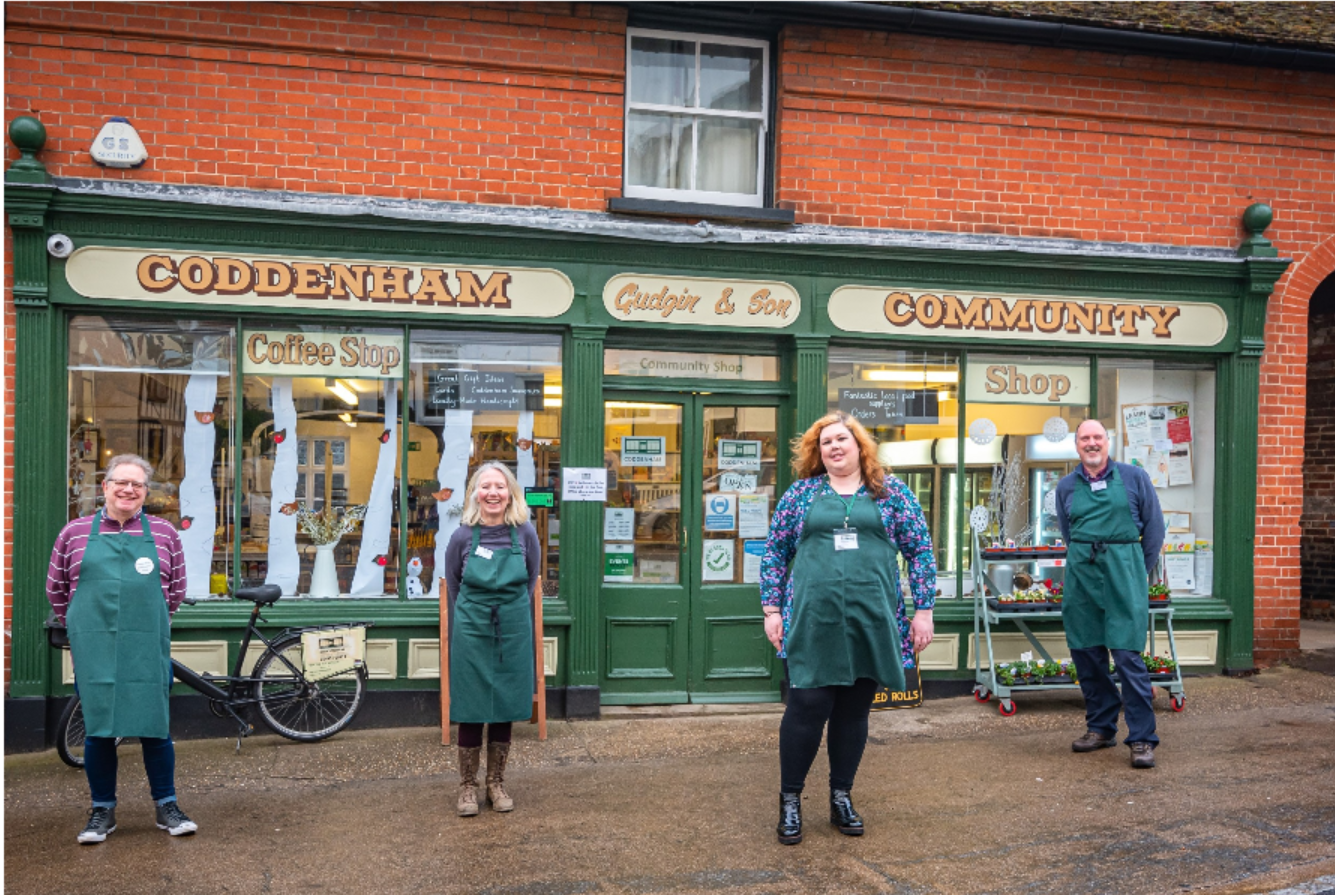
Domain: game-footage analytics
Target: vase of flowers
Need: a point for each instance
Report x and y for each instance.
(326, 528)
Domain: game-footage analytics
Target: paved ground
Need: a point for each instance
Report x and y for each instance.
(957, 800)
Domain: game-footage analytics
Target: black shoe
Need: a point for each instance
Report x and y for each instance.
(172, 819)
(101, 824)
(1142, 755)
(790, 818)
(842, 814)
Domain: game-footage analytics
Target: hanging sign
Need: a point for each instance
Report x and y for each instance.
(914, 312)
(269, 281)
(701, 302)
(735, 454)
(482, 390)
(1052, 384)
(280, 352)
(643, 450)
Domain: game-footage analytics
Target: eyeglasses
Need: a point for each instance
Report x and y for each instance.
(128, 483)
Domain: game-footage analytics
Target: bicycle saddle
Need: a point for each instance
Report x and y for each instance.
(264, 594)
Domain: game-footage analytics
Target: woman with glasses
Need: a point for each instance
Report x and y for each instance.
(115, 579)
(829, 588)
(492, 563)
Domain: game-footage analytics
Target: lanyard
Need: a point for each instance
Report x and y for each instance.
(848, 504)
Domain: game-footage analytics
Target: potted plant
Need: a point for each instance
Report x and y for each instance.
(1159, 593)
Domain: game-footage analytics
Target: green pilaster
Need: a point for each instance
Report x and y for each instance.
(811, 372)
(1239, 390)
(581, 521)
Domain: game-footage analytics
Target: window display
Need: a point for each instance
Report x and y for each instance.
(476, 397)
(163, 391)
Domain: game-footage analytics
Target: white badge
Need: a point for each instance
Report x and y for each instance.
(1097, 486)
(483, 552)
(846, 539)
(143, 565)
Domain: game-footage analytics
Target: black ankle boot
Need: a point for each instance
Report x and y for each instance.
(790, 818)
(842, 814)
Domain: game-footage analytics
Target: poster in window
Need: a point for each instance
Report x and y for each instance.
(1179, 423)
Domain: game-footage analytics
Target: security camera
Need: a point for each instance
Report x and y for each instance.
(59, 245)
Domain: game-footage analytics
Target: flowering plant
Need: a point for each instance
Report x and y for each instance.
(1158, 664)
(328, 525)
(1029, 670)
(1054, 589)
(1159, 592)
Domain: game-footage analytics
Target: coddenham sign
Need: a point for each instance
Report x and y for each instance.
(292, 282)
(914, 312)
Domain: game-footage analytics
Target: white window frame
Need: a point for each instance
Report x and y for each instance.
(713, 198)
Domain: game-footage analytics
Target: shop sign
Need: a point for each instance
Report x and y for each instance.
(265, 281)
(701, 302)
(684, 365)
(279, 352)
(871, 309)
(482, 390)
(1051, 384)
(735, 454)
(643, 450)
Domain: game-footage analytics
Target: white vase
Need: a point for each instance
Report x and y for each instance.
(324, 574)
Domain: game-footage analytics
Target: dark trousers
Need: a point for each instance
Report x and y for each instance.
(100, 763)
(845, 709)
(470, 734)
(1102, 701)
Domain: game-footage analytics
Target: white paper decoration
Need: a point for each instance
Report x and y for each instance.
(982, 432)
(1056, 430)
(1050, 502)
(979, 518)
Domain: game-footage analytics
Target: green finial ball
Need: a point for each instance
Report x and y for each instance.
(1257, 217)
(27, 133)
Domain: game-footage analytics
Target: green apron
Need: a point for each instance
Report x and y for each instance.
(491, 641)
(1106, 601)
(120, 636)
(843, 621)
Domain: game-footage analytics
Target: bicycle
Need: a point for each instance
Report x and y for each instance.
(292, 703)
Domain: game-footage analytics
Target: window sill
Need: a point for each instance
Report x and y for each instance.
(700, 210)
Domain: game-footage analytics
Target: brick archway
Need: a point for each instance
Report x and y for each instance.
(1317, 552)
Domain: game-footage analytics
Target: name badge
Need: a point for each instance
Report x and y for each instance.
(143, 565)
(845, 539)
(1098, 486)
(483, 552)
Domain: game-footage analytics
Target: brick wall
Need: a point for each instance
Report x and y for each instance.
(522, 105)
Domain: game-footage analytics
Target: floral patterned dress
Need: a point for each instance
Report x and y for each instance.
(904, 525)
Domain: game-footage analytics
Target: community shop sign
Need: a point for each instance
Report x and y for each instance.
(292, 282)
(871, 309)
(701, 302)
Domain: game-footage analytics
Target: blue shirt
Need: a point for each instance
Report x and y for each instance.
(1140, 496)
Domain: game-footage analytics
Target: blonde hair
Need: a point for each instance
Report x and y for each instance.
(516, 512)
(806, 452)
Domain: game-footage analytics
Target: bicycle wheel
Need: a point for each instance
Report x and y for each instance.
(301, 709)
(70, 734)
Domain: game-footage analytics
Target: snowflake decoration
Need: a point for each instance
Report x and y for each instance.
(1056, 430)
(1050, 502)
(982, 432)
(979, 517)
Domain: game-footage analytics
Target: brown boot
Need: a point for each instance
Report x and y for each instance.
(469, 759)
(497, 753)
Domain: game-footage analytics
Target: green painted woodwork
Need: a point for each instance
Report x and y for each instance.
(1256, 219)
(582, 446)
(29, 135)
(810, 365)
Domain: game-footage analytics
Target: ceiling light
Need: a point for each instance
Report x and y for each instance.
(340, 388)
(552, 390)
(347, 418)
(912, 377)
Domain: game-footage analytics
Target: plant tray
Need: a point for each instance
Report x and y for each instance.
(991, 553)
(999, 606)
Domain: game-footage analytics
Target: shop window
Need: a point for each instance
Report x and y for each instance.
(909, 402)
(320, 451)
(697, 108)
(1160, 415)
(163, 391)
(472, 398)
(1021, 413)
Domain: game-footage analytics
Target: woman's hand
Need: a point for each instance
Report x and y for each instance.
(774, 629)
(920, 629)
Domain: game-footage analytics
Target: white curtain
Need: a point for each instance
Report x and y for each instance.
(369, 578)
(284, 563)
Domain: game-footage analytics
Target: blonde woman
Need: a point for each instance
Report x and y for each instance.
(829, 588)
(491, 575)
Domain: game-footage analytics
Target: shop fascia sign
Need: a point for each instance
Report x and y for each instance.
(267, 281)
(1000, 381)
(282, 352)
(917, 312)
(701, 302)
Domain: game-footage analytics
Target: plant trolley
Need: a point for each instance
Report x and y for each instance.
(989, 613)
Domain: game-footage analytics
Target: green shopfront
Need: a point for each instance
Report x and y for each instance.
(642, 379)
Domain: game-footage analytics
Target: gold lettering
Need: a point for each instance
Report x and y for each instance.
(1162, 316)
(149, 268)
(433, 288)
(960, 317)
(310, 280)
(1013, 318)
(1130, 314)
(272, 278)
(255, 347)
(996, 380)
(930, 310)
(234, 276)
(1061, 385)
(1048, 315)
(626, 304)
(892, 312)
(196, 275)
(390, 284)
(472, 292)
(345, 280)
(1078, 315)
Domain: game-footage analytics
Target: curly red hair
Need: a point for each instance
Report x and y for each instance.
(806, 452)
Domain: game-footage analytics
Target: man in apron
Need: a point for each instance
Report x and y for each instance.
(115, 579)
(1110, 517)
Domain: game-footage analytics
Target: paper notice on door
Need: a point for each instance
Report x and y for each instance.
(1204, 571)
(721, 512)
(719, 560)
(1158, 417)
(584, 483)
(1137, 425)
(618, 524)
(752, 553)
(1179, 423)
(618, 563)
(753, 515)
(1180, 570)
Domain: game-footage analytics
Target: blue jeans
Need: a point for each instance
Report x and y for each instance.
(100, 763)
(1102, 701)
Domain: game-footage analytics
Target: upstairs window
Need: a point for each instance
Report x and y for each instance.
(697, 108)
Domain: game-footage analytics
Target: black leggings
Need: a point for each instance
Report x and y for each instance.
(846, 709)
(470, 735)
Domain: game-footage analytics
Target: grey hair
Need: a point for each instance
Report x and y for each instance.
(130, 460)
(1095, 420)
